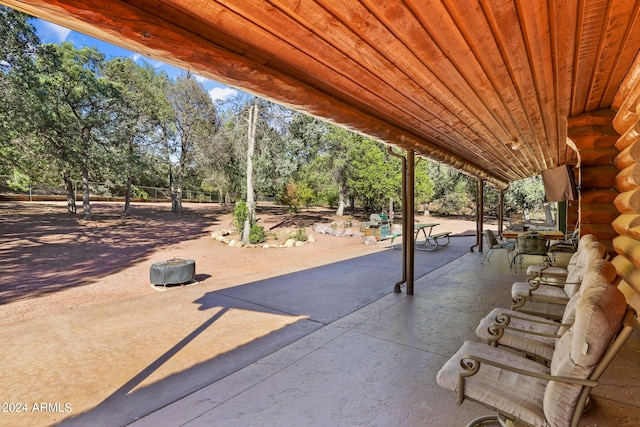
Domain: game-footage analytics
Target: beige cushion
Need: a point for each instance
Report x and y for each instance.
(542, 346)
(506, 391)
(543, 292)
(591, 252)
(546, 271)
(598, 318)
(601, 273)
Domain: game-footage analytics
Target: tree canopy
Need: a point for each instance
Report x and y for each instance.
(71, 116)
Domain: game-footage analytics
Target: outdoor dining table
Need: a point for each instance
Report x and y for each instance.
(548, 234)
(427, 245)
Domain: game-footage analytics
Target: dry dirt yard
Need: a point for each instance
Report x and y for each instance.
(52, 262)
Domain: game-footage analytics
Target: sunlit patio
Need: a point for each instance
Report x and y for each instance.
(377, 365)
(328, 346)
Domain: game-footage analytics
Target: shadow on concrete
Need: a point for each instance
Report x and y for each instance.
(317, 296)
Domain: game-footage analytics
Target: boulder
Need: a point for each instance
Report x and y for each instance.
(369, 240)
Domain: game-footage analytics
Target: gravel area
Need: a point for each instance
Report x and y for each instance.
(52, 262)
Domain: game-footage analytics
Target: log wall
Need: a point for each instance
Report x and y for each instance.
(627, 224)
(594, 138)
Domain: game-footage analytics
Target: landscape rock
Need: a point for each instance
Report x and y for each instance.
(369, 240)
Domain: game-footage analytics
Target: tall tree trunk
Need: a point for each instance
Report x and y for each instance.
(176, 197)
(68, 188)
(341, 199)
(86, 207)
(548, 215)
(220, 195)
(127, 197)
(251, 142)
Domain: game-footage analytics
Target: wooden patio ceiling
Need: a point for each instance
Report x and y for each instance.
(458, 81)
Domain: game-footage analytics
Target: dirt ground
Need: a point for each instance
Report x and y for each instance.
(52, 262)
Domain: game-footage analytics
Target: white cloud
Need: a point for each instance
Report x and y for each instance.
(59, 32)
(137, 58)
(222, 93)
(200, 79)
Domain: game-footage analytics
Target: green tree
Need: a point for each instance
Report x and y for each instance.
(525, 194)
(138, 132)
(69, 110)
(195, 123)
(375, 176)
(18, 44)
(424, 187)
(334, 161)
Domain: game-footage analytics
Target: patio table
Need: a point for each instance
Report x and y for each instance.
(427, 245)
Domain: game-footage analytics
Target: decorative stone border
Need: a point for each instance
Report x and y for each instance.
(222, 236)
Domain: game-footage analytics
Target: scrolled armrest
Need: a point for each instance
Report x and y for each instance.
(471, 365)
(497, 332)
(505, 319)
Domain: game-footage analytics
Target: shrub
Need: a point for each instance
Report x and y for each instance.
(288, 196)
(257, 234)
(240, 213)
(19, 181)
(300, 236)
(138, 193)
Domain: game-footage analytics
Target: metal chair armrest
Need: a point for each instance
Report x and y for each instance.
(471, 365)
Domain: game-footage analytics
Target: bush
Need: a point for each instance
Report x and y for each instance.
(300, 236)
(139, 193)
(240, 213)
(257, 234)
(289, 196)
(19, 181)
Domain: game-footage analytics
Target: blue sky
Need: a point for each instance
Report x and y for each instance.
(53, 33)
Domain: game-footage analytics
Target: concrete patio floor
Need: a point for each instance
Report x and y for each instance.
(330, 346)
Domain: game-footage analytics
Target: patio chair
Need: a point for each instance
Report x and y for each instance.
(535, 336)
(516, 221)
(569, 245)
(493, 244)
(550, 273)
(533, 244)
(556, 293)
(526, 393)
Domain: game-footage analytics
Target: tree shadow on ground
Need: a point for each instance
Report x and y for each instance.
(43, 251)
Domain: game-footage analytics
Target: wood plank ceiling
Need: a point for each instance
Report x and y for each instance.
(460, 81)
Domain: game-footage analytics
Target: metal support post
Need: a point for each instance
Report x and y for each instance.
(410, 211)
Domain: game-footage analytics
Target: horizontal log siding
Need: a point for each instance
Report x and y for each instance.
(627, 224)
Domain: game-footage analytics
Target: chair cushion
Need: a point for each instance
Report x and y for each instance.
(591, 252)
(598, 318)
(542, 346)
(546, 271)
(506, 391)
(601, 273)
(543, 292)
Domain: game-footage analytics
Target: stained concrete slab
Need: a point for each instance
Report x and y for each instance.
(377, 365)
(348, 351)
